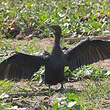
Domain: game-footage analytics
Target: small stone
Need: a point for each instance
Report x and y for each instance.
(71, 104)
(4, 95)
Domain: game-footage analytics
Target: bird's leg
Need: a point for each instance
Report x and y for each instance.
(49, 90)
(62, 85)
(49, 87)
(62, 89)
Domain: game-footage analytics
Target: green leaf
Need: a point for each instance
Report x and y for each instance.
(29, 5)
(55, 106)
(72, 97)
(96, 24)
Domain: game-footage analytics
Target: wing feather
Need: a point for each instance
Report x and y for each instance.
(21, 66)
(87, 52)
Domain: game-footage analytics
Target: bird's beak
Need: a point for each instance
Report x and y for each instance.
(51, 28)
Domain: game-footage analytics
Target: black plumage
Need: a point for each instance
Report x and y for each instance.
(86, 52)
(21, 66)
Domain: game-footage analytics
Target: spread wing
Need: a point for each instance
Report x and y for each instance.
(21, 66)
(87, 52)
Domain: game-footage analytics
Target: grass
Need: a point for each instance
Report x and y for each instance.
(94, 92)
(95, 95)
(81, 17)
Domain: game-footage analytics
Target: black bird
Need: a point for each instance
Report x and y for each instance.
(86, 52)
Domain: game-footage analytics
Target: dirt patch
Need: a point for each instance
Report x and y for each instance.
(34, 96)
(39, 95)
(103, 64)
(46, 42)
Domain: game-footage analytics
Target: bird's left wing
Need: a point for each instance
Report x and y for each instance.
(21, 66)
(87, 52)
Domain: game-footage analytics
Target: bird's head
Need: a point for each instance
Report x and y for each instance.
(56, 29)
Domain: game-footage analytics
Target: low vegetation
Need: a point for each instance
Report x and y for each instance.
(87, 87)
(79, 18)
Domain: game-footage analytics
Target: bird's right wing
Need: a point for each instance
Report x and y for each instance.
(87, 52)
(21, 66)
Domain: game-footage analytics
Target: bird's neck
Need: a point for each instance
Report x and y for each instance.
(57, 40)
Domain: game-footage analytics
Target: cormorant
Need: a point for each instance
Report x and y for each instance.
(85, 52)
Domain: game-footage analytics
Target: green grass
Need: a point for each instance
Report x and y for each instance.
(81, 18)
(78, 18)
(95, 90)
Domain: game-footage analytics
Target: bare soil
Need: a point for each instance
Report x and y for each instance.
(32, 95)
(37, 95)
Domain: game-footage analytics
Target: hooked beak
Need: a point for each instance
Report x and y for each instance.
(50, 27)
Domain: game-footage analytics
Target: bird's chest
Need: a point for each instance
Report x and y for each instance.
(55, 61)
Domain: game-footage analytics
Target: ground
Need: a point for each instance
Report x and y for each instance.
(31, 95)
(93, 94)
(26, 19)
